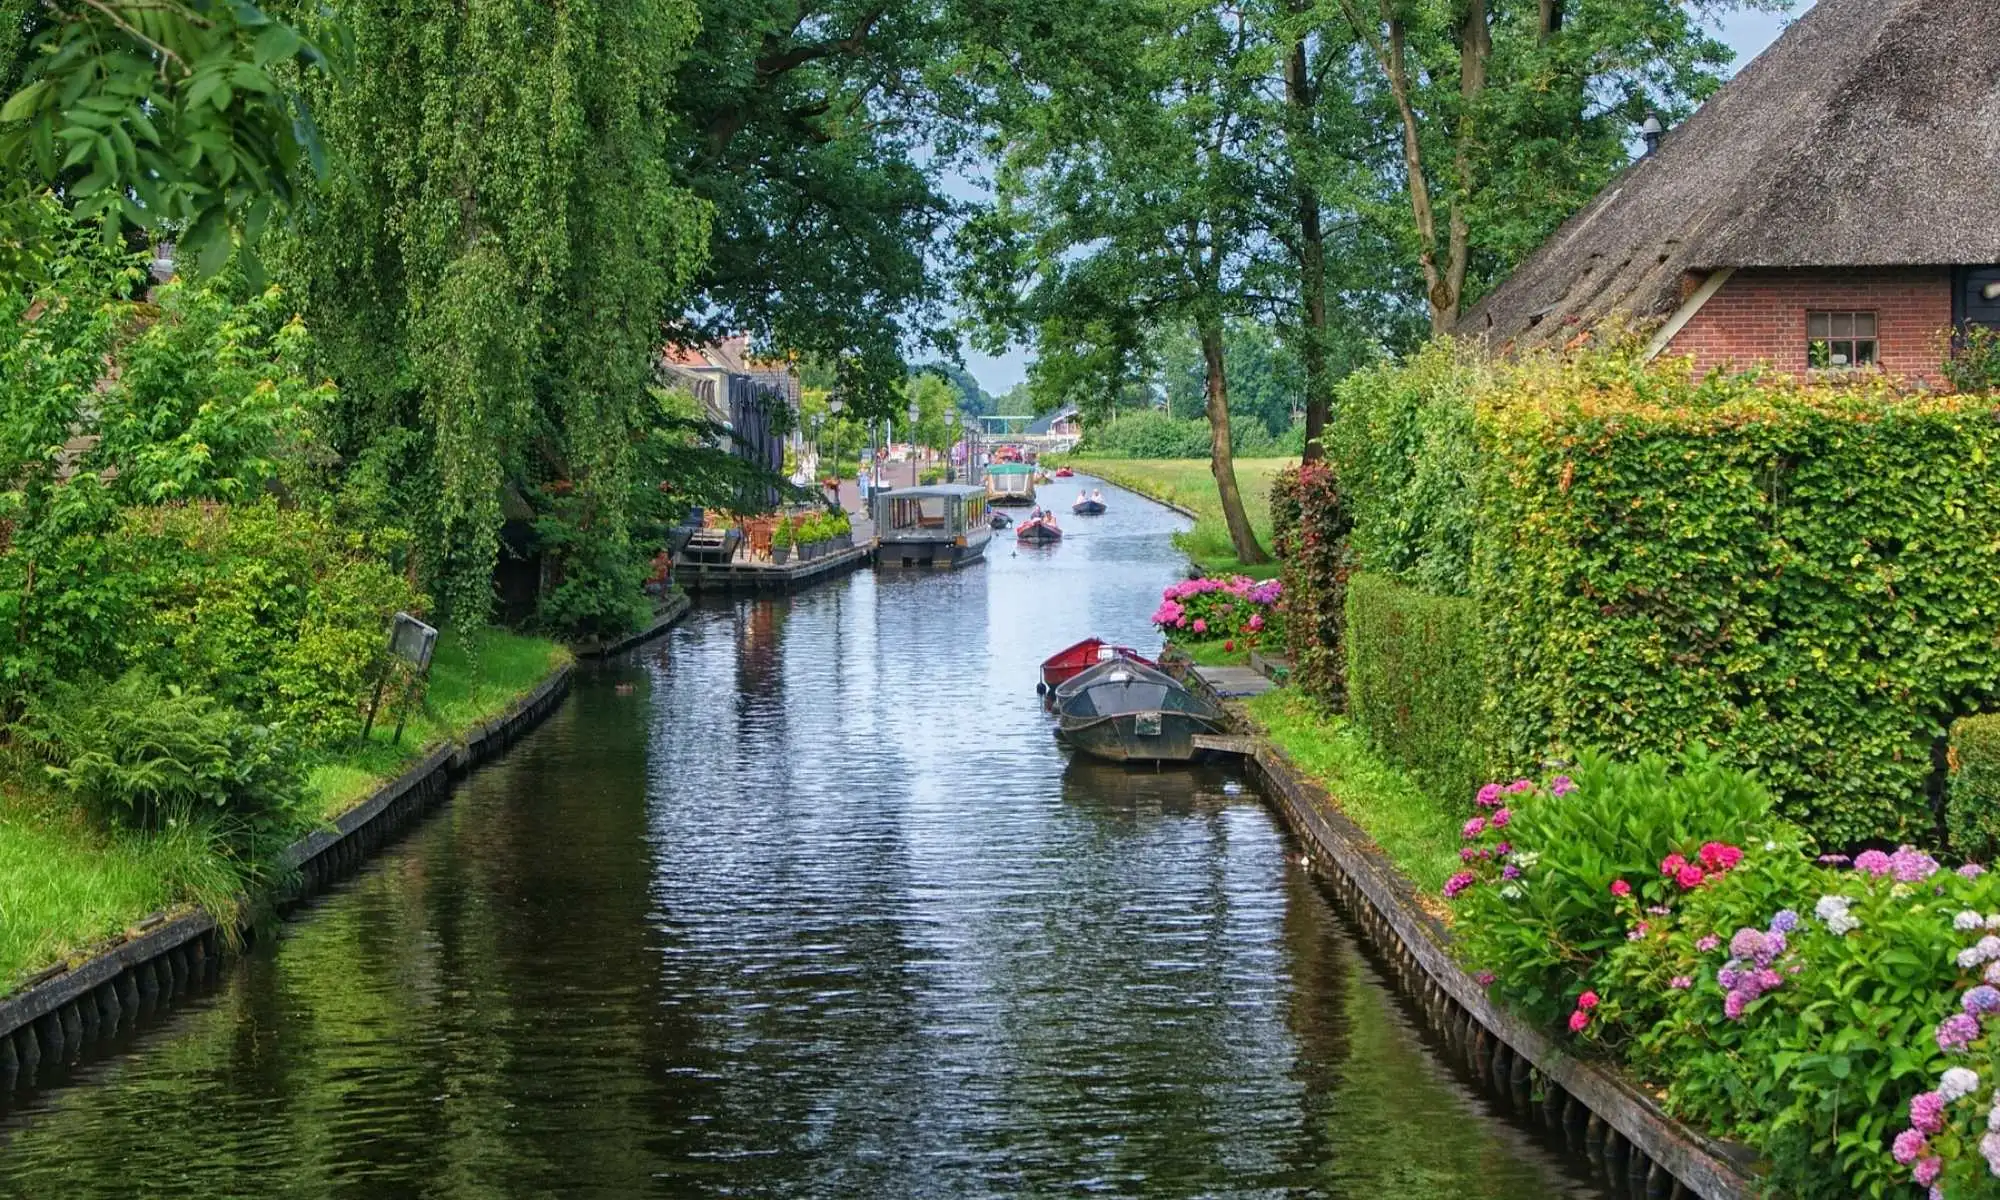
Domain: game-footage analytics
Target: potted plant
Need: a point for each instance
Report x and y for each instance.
(843, 530)
(808, 535)
(781, 541)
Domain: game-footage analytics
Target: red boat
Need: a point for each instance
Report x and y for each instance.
(1041, 529)
(1065, 665)
(1064, 472)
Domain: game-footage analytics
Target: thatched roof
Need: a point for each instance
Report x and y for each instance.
(1867, 135)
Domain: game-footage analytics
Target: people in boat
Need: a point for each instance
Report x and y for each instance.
(1081, 496)
(1098, 495)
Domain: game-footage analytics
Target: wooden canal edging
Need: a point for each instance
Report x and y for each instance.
(67, 1011)
(769, 577)
(1639, 1149)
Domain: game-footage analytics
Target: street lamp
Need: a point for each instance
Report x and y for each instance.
(913, 442)
(951, 439)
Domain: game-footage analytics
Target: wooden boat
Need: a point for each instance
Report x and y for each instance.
(1064, 472)
(1123, 711)
(1088, 508)
(943, 525)
(1012, 484)
(1066, 664)
(1039, 530)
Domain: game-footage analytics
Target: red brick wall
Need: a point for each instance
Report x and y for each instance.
(1759, 316)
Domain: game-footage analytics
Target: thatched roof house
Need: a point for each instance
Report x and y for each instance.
(1836, 204)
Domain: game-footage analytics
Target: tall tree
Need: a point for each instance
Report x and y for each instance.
(488, 266)
(1124, 200)
(1510, 114)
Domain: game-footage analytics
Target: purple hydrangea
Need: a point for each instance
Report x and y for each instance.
(1927, 1170)
(1956, 1031)
(1458, 883)
(1971, 871)
(1561, 785)
(1726, 978)
(1748, 943)
(1911, 865)
(1874, 862)
(1785, 921)
(1981, 1000)
(1510, 871)
(1733, 1005)
(1909, 1146)
(1708, 943)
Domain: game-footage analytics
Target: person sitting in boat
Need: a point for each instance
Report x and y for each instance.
(1081, 496)
(1098, 495)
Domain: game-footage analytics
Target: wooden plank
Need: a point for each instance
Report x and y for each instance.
(1226, 743)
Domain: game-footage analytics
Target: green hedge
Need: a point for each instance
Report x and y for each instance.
(1311, 529)
(1801, 579)
(1972, 805)
(1414, 681)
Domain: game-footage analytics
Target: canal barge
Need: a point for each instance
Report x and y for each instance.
(1124, 711)
(940, 525)
(1011, 484)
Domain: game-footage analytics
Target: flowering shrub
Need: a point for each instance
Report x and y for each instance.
(1841, 1017)
(1236, 608)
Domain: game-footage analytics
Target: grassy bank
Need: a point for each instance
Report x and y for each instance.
(66, 884)
(1186, 482)
(1417, 831)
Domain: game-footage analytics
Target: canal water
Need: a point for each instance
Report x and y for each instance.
(803, 901)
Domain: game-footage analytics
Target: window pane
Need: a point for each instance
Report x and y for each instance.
(1843, 354)
(1843, 325)
(1864, 353)
(1816, 325)
(1864, 325)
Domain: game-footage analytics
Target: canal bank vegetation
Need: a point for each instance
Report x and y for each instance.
(1734, 888)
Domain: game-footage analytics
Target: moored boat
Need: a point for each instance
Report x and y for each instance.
(1010, 483)
(1124, 711)
(1040, 528)
(941, 525)
(1066, 664)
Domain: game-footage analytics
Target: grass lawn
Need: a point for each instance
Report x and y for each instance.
(66, 885)
(1416, 830)
(1187, 483)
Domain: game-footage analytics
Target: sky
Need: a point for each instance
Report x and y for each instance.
(1748, 33)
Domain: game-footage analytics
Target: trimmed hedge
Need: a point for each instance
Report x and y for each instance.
(1972, 805)
(1802, 579)
(1414, 681)
(1310, 528)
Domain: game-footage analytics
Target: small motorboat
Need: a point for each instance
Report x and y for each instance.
(1040, 529)
(1088, 508)
(1124, 711)
(1066, 664)
(999, 520)
(1064, 472)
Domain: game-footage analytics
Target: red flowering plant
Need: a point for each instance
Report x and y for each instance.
(1559, 875)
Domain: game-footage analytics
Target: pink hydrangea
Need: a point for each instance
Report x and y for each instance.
(1927, 1112)
(1200, 626)
(1681, 983)
(1874, 862)
(1474, 828)
(1927, 1171)
(1500, 818)
(1458, 883)
(1909, 1146)
(1689, 876)
(1489, 795)
(1577, 1020)
(1620, 888)
(1561, 785)
(1708, 943)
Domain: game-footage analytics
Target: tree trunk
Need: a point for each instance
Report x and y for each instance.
(1475, 49)
(1221, 461)
(1312, 248)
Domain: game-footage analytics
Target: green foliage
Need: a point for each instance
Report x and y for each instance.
(487, 273)
(1972, 801)
(1401, 443)
(1800, 579)
(1415, 680)
(1973, 361)
(144, 754)
(173, 116)
(1148, 434)
(1318, 564)
(1547, 933)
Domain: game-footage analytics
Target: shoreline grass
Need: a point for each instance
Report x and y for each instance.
(1187, 483)
(66, 885)
(1418, 832)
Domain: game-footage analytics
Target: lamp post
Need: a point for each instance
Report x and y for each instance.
(913, 413)
(833, 407)
(950, 439)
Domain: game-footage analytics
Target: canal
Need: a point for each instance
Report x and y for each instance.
(801, 900)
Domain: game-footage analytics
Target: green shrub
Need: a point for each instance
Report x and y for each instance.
(1149, 434)
(1972, 363)
(142, 754)
(1972, 804)
(1801, 579)
(1414, 680)
(1402, 445)
(273, 610)
(1314, 546)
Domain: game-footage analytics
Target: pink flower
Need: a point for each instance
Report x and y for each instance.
(1458, 883)
(1474, 828)
(1620, 888)
(1521, 785)
(1717, 857)
(1909, 1146)
(1927, 1112)
(1500, 818)
(1587, 1001)
(1872, 861)
(1680, 983)
(1485, 979)
(1689, 876)
(1927, 1171)
(1200, 626)
(1672, 863)
(1577, 1020)
(1256, 622)
(1489, 795)
(1561, 785)
(1708, 943)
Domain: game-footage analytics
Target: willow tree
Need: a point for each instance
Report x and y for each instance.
(488, 265)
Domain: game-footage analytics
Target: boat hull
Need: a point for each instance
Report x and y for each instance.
(1088, 508)
(1066, 664)
(1153, 736)
(939, 555)
(1038, 535)
(1011, 499)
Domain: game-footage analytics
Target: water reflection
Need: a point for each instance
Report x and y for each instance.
(804, 901)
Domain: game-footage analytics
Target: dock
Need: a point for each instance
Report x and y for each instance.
(744, 575)
(1234, 683)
